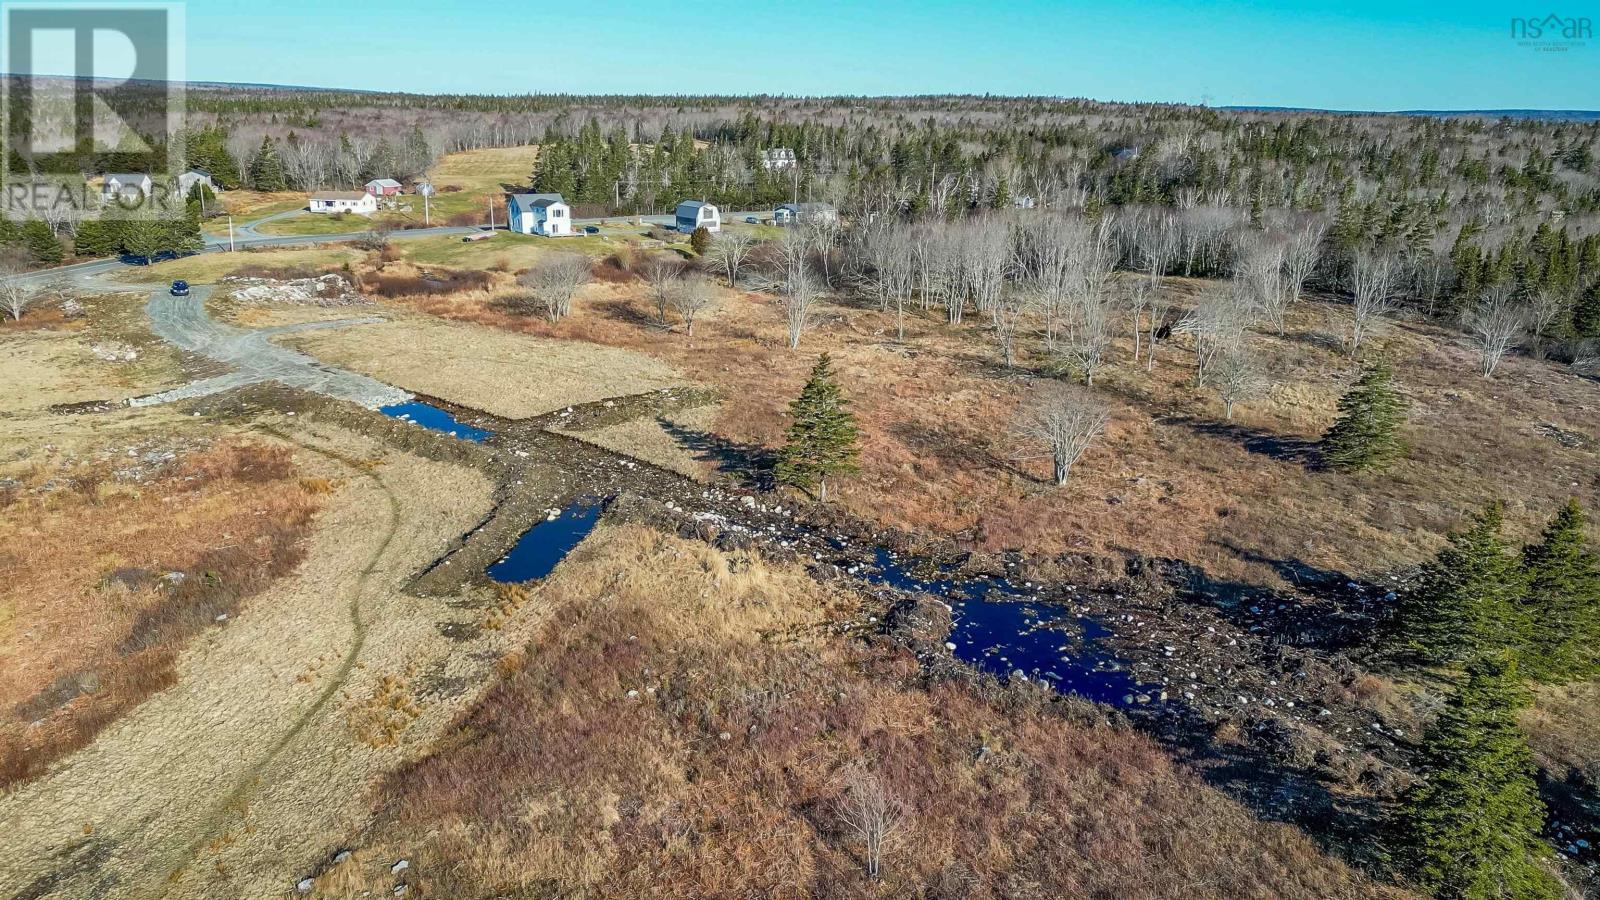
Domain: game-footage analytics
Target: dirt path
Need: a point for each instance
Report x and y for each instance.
(237, 780)
(183, 322)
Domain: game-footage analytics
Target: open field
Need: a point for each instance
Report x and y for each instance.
(681, 694)
(505, 374)
(1170, 478)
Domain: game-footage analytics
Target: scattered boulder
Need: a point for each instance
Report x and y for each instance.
(331, 289)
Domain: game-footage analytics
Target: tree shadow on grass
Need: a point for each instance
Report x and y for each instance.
(1258, 441)
(751, 464)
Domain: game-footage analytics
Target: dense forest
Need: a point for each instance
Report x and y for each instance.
(1465, 203)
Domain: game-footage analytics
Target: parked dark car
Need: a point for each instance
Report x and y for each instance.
(752, 220)
(180, 288)
(591, 229)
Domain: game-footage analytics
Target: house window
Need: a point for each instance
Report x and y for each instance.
(555, 213)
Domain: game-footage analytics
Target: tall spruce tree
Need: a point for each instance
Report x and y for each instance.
(1561, 605)
(266, 169)
(43, 245)
(822, 437)
(1367, 433)
(1468, 598)
(1470, 829)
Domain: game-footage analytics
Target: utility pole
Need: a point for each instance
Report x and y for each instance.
(230, 234)
(491, 213)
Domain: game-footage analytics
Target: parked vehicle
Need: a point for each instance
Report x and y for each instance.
(180, 288)
(591, 229)
(751, 220)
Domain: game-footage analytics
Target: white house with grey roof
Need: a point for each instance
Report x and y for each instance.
(131, 187)
(329, 202)
(803, 213)
(694, 214)
(546, 214)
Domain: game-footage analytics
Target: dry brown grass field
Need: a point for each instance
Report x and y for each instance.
(686, 724)
(1170, 478)
(114, 562)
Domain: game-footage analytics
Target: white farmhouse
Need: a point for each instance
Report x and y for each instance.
(358, 202)
(777, 158)
(189, 179)
(545, 214)
(129, 187)
(803, 213)
(694, 214)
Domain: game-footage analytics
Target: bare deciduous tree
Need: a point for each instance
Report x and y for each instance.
(1301, 255)
(1496, 323)
(554, 280)
(1066, 421)
(1259, 263)
(691, 297)
(376, 237)
(1238, 377)
(872, 812)
(17, 293)
(798, 297)
(1007, 316)
(1372, 278)
(662, 274)
(729, 250)
(1217, 324)
(1545, 309)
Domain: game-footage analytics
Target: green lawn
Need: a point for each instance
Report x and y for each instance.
(516, 251)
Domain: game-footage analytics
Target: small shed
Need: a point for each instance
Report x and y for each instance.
(383, 187)
(801, 213)
(694, 214)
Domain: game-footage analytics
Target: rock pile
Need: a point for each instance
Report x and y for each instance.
(331, 289)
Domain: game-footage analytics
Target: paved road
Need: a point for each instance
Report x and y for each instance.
(183, 322)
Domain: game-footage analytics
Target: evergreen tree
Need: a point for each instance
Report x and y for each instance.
(43, 246)
(822, 437)
(1562, 602)
(1467, 601)
(1470, 829)
(266, 169)
(1367, 433)
(700, 240)
(1586, 314)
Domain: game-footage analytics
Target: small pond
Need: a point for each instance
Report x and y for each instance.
(541, 547)
(1002, 628)
(435, 419)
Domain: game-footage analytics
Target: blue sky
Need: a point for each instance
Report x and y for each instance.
(1365, 55)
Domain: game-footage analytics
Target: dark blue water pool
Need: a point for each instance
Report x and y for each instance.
(544, 545)
(435, 419)
(1000, 627)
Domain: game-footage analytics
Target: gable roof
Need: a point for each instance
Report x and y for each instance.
(384, 182)
(531, 200)
(807, 207)
(124, 177)
(693, 207)
(340, 195)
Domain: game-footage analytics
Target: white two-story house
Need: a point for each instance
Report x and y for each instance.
(545, 214)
